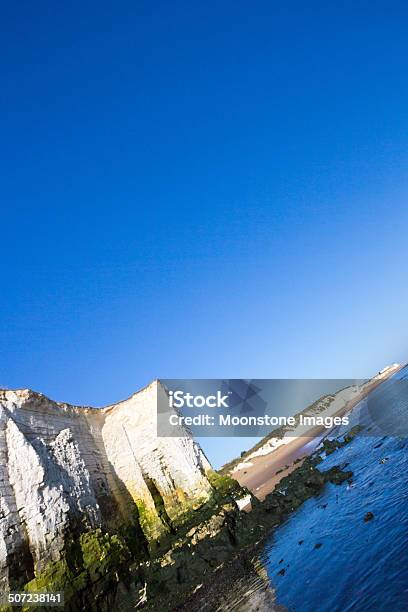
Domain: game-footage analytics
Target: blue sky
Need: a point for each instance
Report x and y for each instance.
(201, 190)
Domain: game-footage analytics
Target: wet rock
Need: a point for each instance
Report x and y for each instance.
(329, 446)
(318, 545)
(300, 542)
(352, 434)
(368, 517)
(315, 480)
(336, 476)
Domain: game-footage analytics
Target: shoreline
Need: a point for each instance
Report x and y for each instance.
(248, 579)
(264, 472)
(249, 583)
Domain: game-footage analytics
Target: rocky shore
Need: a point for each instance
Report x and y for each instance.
(182, 574)
(94, 505)
(251, 529)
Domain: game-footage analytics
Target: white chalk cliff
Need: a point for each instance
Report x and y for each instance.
(65, 468)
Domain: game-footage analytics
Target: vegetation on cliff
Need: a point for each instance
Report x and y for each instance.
(100, 570)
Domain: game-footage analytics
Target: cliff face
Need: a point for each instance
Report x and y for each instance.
(65, 470)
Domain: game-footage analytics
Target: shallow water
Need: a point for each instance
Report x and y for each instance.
(360, 566)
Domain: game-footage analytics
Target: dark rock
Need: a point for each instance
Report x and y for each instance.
(329, 446)
(352, 434)
(336, 476)
(300, 542)
(368, 517)
(281, 572)
(318, 545)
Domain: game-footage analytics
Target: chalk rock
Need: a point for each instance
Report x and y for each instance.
(66, 469)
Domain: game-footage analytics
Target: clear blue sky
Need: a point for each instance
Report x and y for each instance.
(201, 189)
